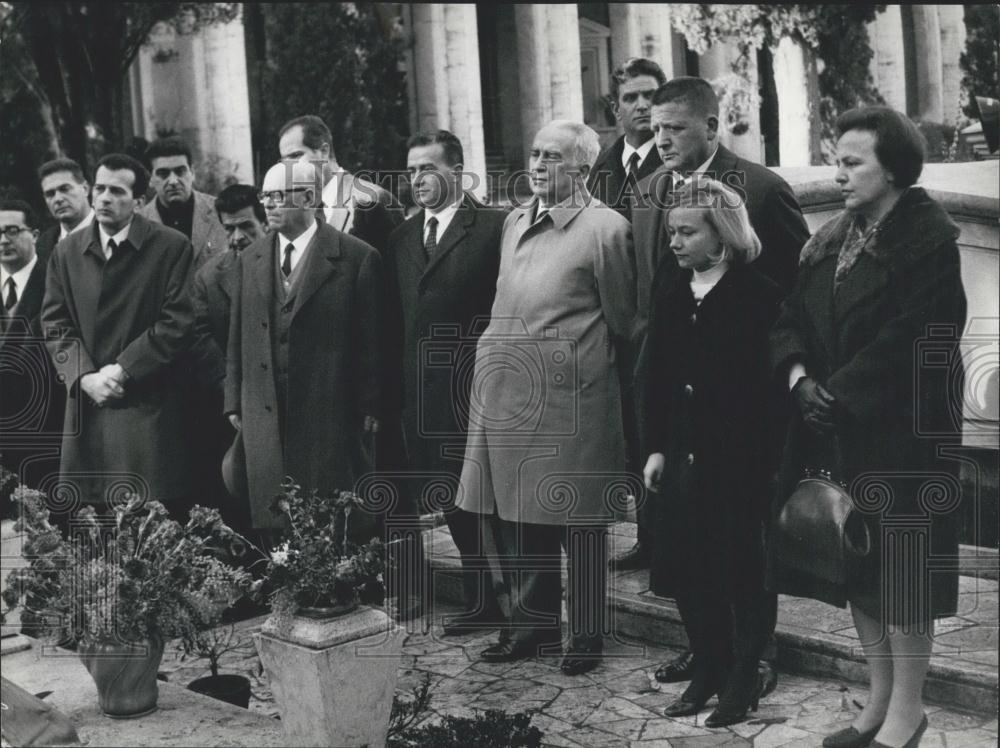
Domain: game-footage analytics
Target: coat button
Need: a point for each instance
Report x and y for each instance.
(263, 366)
(688, 390)
(264, 325)
(267, 408)
(694, 318)
(286, 308)
(690, 459)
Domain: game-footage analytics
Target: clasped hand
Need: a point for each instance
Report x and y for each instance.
(106, 384)
(815, 404)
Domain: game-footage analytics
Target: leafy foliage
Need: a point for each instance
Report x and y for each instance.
(341, 62)
(835, 33)
(213, 644)
(316, 565)
(981, 59)
(145, 577)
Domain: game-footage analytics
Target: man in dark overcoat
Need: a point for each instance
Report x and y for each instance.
(32, 402)
(442, 265)
(117, 316)
(685, 122)
(302, 379)
(67, 195)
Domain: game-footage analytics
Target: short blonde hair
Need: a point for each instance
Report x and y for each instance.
(726, 211)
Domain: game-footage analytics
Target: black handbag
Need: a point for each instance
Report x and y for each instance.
(818, 532)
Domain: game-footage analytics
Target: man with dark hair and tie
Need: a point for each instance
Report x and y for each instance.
(633, 156)
(67, 195)
(117, 318)
(31, 399)
(442, 267)
(303, 364)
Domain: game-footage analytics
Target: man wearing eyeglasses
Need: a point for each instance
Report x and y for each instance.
(302, 379)
(31, 402)
(178, 204)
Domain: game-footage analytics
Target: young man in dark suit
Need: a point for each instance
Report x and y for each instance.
(633, 156)
(31, 399)
(67, 195)
(685, 122)
(442, 265)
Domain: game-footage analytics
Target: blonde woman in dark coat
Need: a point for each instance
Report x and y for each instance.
(709, 405)
(873, 283)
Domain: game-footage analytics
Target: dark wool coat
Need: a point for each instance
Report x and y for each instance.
(333, 367)
(134, 310)
(710, 413)
(896, 405)
(439, 309)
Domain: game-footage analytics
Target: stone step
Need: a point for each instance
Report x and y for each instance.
(813, 638)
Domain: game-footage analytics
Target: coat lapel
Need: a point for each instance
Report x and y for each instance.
(262, 266)
(413, 243)
(456, 231)
(321, 256)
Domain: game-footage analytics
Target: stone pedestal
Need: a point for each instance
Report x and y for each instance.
(333, 680)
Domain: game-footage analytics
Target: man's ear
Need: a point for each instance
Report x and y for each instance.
(713, 126)
(139, 203)
(616, 109)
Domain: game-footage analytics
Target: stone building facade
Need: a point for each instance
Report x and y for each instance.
(493, 73)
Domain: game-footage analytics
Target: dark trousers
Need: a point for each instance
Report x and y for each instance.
(531, 562)
(724, 635)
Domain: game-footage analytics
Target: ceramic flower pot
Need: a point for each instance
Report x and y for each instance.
(125, 675)
(322, 612)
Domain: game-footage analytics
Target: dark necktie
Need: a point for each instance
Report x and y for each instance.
(633, 163)
(431, 242)
(631, 175)
(10, 299)
(112, 248)
(286, 264)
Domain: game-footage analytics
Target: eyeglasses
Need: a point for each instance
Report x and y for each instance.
(278, 197)
(11, 232)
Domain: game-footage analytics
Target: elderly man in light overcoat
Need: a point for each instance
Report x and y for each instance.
(545, 433)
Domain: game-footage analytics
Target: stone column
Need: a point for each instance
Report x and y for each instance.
(448, 94)
(548, 50)
(716, 66)
(642, 30)
(796, 79)
(927, 49)
(951, 19)
(888, 63)
(195, 86)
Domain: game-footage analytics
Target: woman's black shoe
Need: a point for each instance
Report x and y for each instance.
(740, 696)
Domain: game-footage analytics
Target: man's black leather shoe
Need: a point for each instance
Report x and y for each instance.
(512, 649)
(768, 678)
(677, 670)
(470, 623)
(580, 660)
(636, 557)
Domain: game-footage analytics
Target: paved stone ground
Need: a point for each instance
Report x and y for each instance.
(617, 704)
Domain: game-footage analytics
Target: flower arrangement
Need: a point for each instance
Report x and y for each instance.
(316, 565)
(144, 576)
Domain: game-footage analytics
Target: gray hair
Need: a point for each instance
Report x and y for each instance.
(586, 143)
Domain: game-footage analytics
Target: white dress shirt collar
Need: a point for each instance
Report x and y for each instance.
(299, 243)
(63, 233)
(20, 281)
(443, 217)
(643, 151)
(679, 178)
(106, 237)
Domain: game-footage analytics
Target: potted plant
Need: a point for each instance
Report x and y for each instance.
(121, 587)
(331, 663)
(317, 571)
(212, 645)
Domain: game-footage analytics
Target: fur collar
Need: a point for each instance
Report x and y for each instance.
(916, 225)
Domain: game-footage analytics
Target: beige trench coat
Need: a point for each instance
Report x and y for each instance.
(545, 442)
